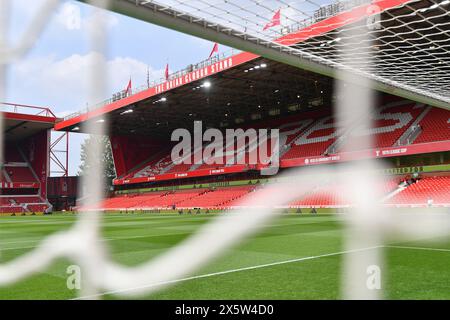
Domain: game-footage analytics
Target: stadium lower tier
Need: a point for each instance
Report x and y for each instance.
(194, 198)
(399, 128)
(16, 172)
(22, 204)
(425, 191)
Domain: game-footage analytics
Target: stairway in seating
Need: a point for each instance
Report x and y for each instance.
(402, 186)
(414, 129)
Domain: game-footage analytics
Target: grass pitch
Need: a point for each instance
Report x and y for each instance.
(256, 269)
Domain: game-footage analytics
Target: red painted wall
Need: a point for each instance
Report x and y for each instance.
(62, 186)
(36, 149)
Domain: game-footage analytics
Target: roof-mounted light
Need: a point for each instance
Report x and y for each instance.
(127, 111)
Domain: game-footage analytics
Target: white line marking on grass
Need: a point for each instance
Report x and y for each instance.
(227, 272)
(128, 237)
(103, 240)
(418, 248)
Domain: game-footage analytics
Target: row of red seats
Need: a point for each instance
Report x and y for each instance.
(20, 174)
(333, 195)
(16, 174)
(435, 126)
(14, 204)
(290, 127)
(193, 198)
(312, 133)
(37, 207)
(129, 201)
(436, 189)
(27, 199)
(222, 197)
(11, 209)
(433, 189)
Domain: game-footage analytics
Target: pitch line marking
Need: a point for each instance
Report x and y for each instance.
(102, 240)
(418, 248)
(228, 271)
(111, 238)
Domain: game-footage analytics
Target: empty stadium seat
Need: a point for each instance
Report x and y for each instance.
(221, 197)
(191, 198)
(311, 134)
(388, 126)
(333, 195)
(435, 126)
(20, 174)
(436, 189)
(18, 204)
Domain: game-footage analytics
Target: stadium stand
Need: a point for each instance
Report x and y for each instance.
(191, 198)
(218, 198)
(311, 134)
(330, 196)
(435, 126)
(22, 204)
(327, 196)
(20, 174)
(425, 191)
(24, 172)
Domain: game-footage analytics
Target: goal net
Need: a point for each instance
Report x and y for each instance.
(397, 46)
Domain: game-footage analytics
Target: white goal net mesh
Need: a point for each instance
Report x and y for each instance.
(418, 60)
(409, 39)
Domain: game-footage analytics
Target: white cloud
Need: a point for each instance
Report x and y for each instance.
(91, 21)
(63, 84)
(66, 82)
(70, 17)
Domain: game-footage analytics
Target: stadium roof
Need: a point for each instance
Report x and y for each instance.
(254, 88)
(235, 93)
(22, 121)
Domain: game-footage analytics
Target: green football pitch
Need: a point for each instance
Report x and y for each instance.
(268, 265)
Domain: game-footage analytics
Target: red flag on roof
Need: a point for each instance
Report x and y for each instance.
(128, 89)
(166, 73)
(214, 50)
(276, 20)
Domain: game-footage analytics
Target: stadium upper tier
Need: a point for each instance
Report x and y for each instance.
(399, 128)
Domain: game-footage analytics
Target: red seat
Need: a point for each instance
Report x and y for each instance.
(435, 126)
(436, 189)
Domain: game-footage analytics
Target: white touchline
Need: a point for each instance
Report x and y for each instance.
(227, 271)
(418, 248)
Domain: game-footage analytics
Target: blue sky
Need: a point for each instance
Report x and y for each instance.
(53, 73)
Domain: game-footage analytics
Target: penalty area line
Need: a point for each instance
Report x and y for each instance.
(225, 272)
